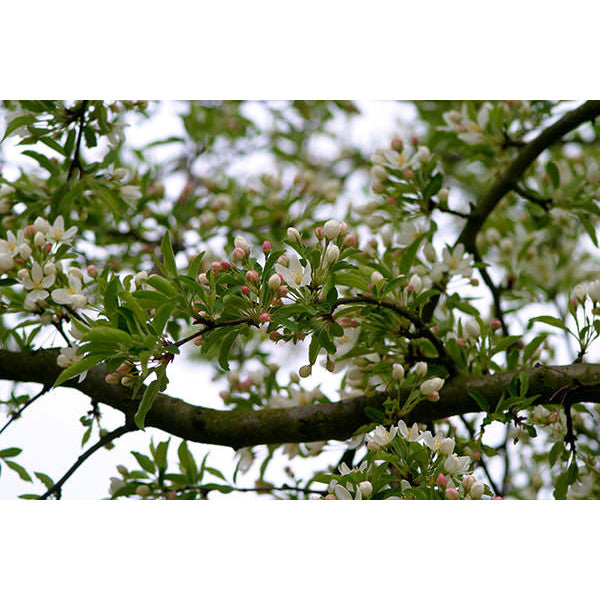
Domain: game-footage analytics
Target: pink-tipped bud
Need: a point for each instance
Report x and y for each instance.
(460, 342)
(275, 282)
(225, 265)
(452, 494)
(252, 276)
(215, 266)
(92, 270)
(30, 230)
(319, 233)
(266, 246)
(112, 378)
(397, 144)
(198, 341)
(238, 254)
(468, 482)
(283, 291)
(442, 480)
(408, 174)
(414, 140)
(203, 279)
(351, 241)
(496, 324)
(245, 289)
(390, 200)
(497, 498)
(274, 336)
(343, 228)
(124, 368)
(264, 317)
(47, 247)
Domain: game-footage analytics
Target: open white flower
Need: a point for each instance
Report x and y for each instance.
(380, 437)
(411, 434)
(58, 234)
(439, 443)
(37, 285)
(15, 246)
(455, 465)
(295, 275)
(456, 262)
(72, 295)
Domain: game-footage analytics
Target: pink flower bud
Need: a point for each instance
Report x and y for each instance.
(468, 482)
(452, 494)
(496, 324)
(264, 317)
(351, 241)
(112, 378)
(92, 270)
(225, 265)
(203, 279)
(47, 247)
(245, 289)
(215, 266)
(266, 246)
(30, 230)
(283, 291)
(390, 200)
(460, 342)
(252, 276)
(238, 254)
(124, 368)
(319, 233)
(497, 498)
(442, 480)
(343, 228)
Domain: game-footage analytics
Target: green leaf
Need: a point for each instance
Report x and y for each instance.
(588, 225)
(226, 345)
(554, 174)
(162, 285)
(555, 452)
(8, 281)
(374, 414)
(22, 121)
(10, 452)
(552, 321)
(86, 363)
(110, 336)
(480, 399)
(23, 474)
(144, 461)
(409, 254)
(533, 345)
(45, 479)
(187, 463)
(43, 161)
(169, 267)
(146, 403)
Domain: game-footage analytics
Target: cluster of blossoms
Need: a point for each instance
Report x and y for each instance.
(468, 130)
(30, 255)
(445, 474)
(399, 162)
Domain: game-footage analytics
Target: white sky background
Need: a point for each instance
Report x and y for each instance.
(264, 49)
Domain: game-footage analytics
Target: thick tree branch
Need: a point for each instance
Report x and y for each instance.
(337, 420)
(510, 178)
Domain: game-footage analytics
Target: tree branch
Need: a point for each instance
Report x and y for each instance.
(317, 422)
(103, 441)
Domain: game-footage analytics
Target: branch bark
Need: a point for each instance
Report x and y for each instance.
(337, 420)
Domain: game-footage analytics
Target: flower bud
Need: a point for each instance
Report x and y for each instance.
(143, 490)
(112, 378)
(431, 385)
(472, 329)
(398, 372)
(305, 371)
(452, 494)
(594, 291)
(366, 489)
(376, 277)
(443, 195)
(442, 480)
(252, 276)
(39, 239)
(293, 235)
(238, 254)
(421, 369)
(332, 254)
(467, 482)
(41, 225)
(242, 243)
(264, 317)
(477, 490)
(266, 246)
(378, 173)
(331, 229)
(397, 144)
(294, 377)
(415, 284)
(274, 282)
(92, 270)
(423, 154)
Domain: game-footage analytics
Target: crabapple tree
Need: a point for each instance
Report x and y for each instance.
(424, 311)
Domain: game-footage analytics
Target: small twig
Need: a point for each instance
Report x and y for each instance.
(209, 326)
(422, 330)
(76, 162)
(570, 436)
(29, 402)
(528, 195)
(56, 489)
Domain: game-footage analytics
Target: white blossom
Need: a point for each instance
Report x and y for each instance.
(295, 275)
(57, 232)
(72, 295)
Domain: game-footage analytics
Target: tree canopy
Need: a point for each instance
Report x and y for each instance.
(421, 313)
